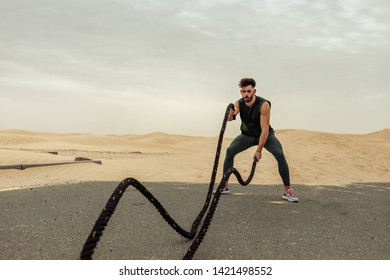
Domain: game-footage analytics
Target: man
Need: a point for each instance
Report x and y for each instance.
(256, 131)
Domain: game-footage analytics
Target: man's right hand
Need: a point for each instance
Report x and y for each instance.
(232, 114)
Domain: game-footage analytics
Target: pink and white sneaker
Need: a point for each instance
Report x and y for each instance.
(290, 196)
(225, 190)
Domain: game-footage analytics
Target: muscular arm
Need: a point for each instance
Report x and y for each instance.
(235, 112)
(265, 115)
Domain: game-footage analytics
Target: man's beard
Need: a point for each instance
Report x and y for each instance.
(248, 99)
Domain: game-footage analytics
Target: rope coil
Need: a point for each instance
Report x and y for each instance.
(101, 223)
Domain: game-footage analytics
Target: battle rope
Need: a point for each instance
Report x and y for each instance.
(101, 223)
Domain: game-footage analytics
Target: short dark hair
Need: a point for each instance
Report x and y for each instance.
(247, 82)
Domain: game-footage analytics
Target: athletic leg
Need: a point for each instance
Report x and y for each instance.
(275, 148)
(239, 144)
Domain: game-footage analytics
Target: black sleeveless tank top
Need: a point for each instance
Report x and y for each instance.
(250, 117)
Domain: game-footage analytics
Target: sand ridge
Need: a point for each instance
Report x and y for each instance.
(314, 158)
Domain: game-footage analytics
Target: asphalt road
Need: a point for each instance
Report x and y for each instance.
(329, 222)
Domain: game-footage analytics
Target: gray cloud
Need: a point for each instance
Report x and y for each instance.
(174, 57)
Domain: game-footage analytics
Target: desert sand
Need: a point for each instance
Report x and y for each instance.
(315, 158)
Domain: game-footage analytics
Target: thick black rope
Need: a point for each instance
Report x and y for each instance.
(101, 223)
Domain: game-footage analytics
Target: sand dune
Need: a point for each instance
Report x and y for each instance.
(313, 157)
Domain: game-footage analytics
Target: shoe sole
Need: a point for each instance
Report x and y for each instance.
(223, 192)
(295, 199)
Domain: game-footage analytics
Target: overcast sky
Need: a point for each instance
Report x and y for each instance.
(139, 66)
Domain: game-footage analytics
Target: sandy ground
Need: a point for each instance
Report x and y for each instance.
(315, 158)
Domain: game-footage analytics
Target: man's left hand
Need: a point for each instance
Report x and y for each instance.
(257, 156)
